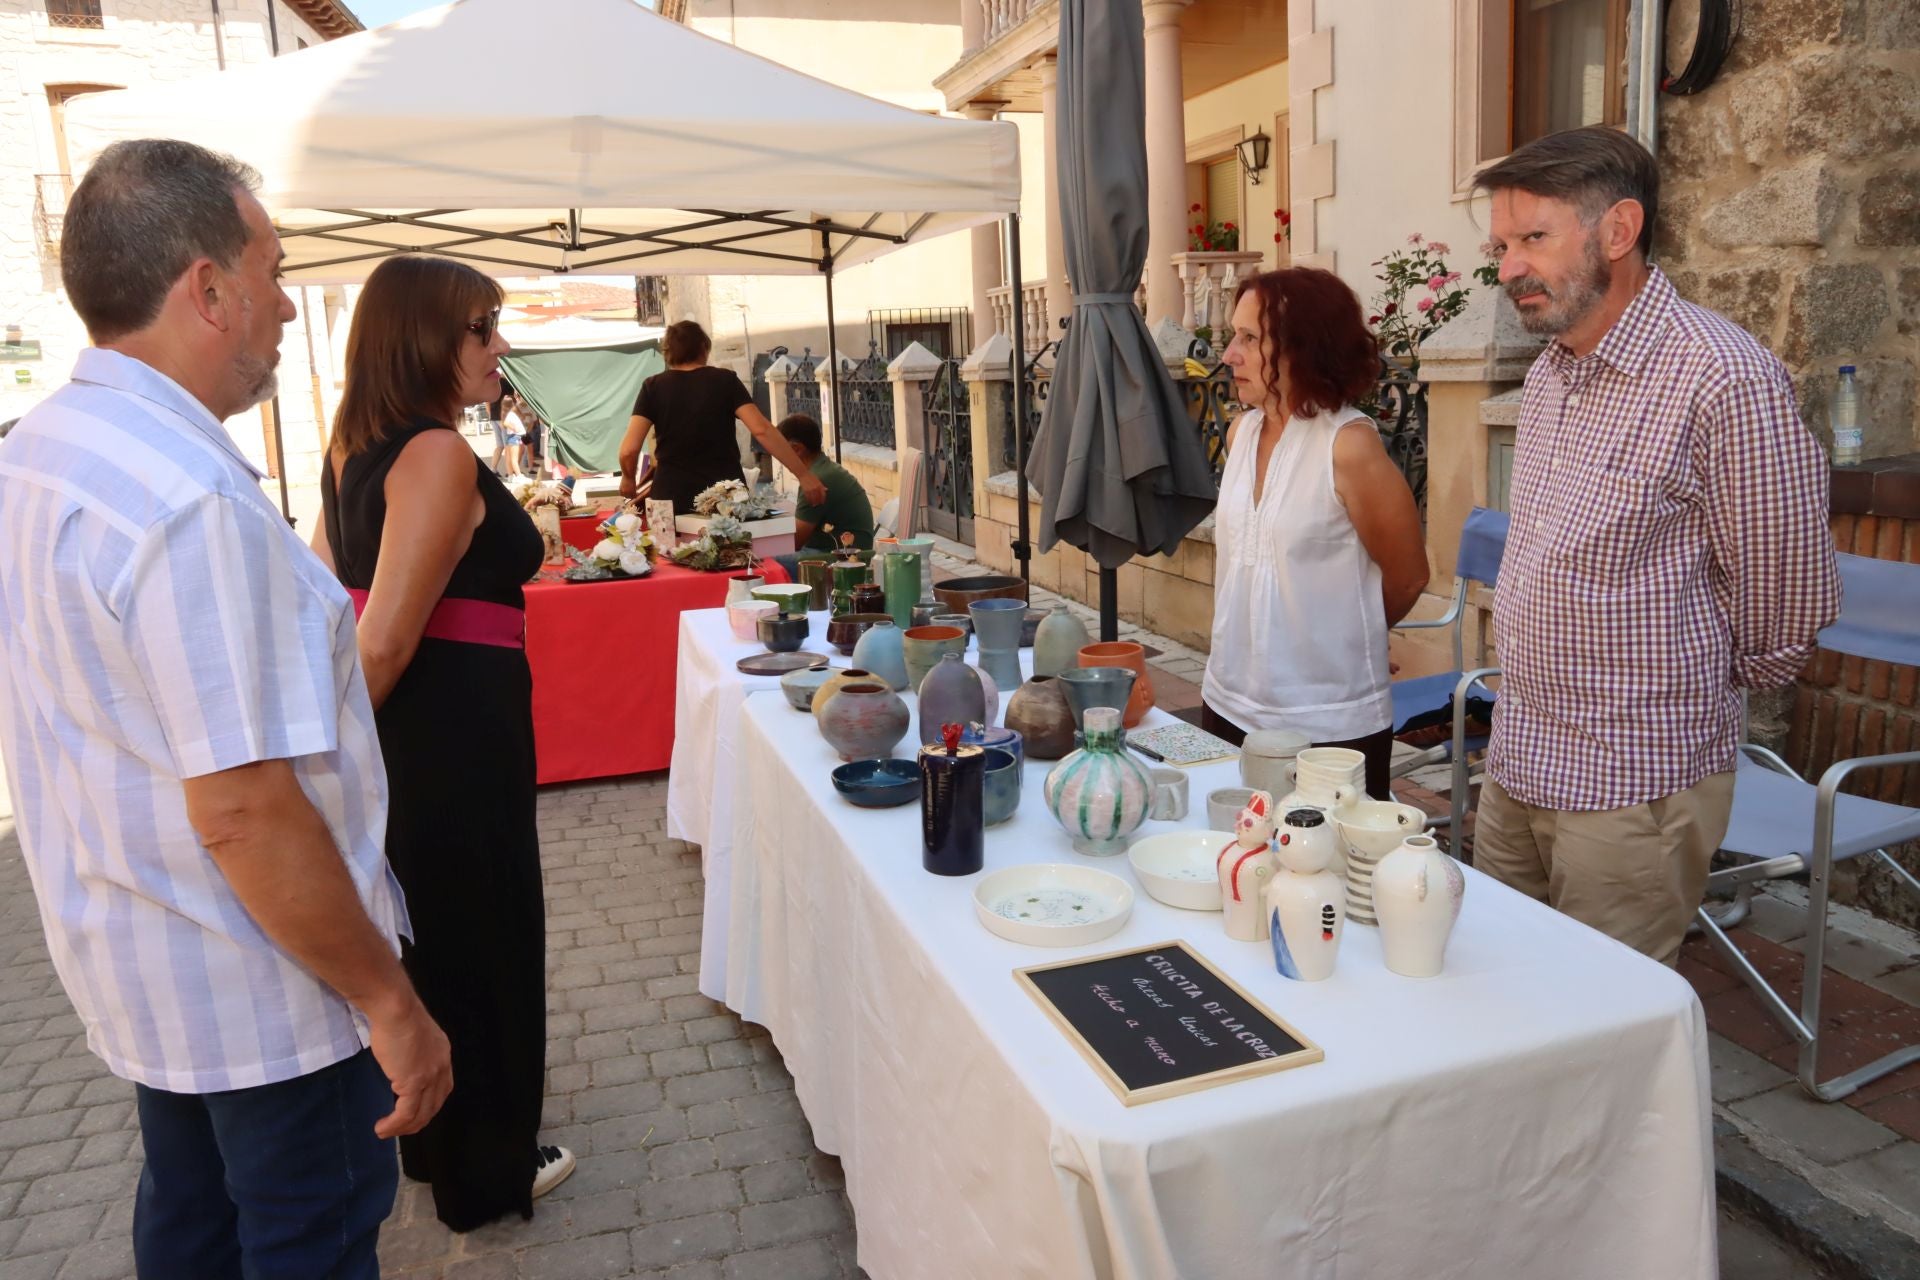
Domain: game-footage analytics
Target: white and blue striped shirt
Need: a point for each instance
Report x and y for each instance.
(160, 621)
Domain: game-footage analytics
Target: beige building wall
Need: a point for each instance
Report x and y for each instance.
(1237, 110)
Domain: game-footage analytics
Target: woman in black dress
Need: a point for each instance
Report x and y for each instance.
(693, 406)
(434, 551)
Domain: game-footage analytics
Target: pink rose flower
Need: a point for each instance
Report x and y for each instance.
(1437, 283)
(1425, 304)
(1438, 247)
(1415, 238)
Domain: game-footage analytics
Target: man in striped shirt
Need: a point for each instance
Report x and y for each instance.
(1669, 549)
(201, 798)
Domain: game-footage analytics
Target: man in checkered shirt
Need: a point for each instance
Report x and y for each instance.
(1669, 549)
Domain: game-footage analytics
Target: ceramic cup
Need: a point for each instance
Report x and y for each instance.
(1224, 806)
(782, 634)
(1169, 795)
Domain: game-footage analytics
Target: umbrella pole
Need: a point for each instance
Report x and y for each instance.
(1022, 551)
(833, 359)
(1109, 605)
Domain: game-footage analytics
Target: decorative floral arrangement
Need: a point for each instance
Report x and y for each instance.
(1419, 295)
(733, 498)
(1285, 233)
(1208, 237)
(725, 544)
(532, 494)
(625, 549)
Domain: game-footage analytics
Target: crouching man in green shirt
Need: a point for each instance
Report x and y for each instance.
(819, 526)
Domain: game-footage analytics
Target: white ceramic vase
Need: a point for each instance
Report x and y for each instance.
(1306, 899)
(739, 589)
(1416, 894)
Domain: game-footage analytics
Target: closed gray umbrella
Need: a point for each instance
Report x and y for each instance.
(1119, 466)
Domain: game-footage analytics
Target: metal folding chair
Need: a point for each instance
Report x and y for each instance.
(1784, 826)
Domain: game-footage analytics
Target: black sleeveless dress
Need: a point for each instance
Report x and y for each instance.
(457, 734)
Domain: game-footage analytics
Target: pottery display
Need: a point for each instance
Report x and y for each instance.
(1416, 893)
(836, 681)
(923, 647)
(1371, 830)
(879, 651)
(864, 721)
(899, 574)
(951, 693)
(1179, 868)
(1050, 905)
(1096, 687)
(847, 574)
(1306, 900)
(987, 735)
(741, 589)
(1100, 794)
(781, 634)
(1039, 712)
(952, 805)
(800, 686)
(1266, 759)
(955, 594)
(878, 784)
(1002, 794)
(1245, 865)
(871, 597)
(817, 572)
(1224, 805)
(922, 546)
(845, 629)
(1124, 653)
(996, 623)
(743, 618)
(1057, 642)
(1169, 802)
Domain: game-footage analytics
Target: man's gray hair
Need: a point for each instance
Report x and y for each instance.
(145, 211)
(1592, 169)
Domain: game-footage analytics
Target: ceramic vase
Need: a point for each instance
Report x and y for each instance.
(1088, 687)
(923, 547)
(847, 574)
(1329, 778)
(950, 694)
(1124, 653)
(879, 650)
(899, 574)
(817, 572)
(864, 721)
(1416, 893)
(1244, 866)
(997, 624)
(991, 688)
(741, 589)
(1002, 785)
(1371, 830)
(838, 680)
(923, 647)
(1039, 713)
(1057, 642)
(1100, 794)
(1306, 899)
(952, 809)
(870, 597)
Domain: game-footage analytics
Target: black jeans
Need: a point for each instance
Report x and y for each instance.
(1376, 747)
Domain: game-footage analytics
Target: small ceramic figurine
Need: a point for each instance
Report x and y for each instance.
(1245, 866)
(1306, 901)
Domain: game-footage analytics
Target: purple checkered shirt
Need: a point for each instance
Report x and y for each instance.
(1669, 548)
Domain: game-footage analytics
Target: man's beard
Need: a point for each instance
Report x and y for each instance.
(259, 377)
(1570, 304)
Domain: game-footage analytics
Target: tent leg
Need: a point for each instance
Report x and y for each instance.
(1022, 549)
(280, 460)
(833, 366)
(1109, 605)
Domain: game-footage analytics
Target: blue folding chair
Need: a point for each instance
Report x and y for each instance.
(1782, 825)
(1483, 540)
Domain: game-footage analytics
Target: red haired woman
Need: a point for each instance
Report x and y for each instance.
(1317, 538)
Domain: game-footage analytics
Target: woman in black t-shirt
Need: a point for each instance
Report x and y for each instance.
(693, 406)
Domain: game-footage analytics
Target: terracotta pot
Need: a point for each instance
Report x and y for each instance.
(836, 681)
(1039, 713)
(1124, 653)
(924, 647)
(955, 594)
(864, 721)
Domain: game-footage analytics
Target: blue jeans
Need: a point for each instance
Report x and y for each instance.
(282, 1181)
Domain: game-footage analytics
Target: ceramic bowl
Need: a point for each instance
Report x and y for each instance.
(744, 618)
(961, 620)
(1180, 867)
(844, 630)
(955, 594)
(1224, 806)
(1052, 904)
(792, 597)
(1374, 828)
(1001, 786)
(878, 784)
(781, 634)
(800, 686)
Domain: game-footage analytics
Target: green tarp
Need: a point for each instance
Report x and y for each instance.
(585, 397)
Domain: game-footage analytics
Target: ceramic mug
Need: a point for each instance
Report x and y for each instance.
(1224, 806)
(1169, 795)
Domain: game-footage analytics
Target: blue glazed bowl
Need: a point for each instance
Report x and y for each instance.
(988, 735)
(878, 784)
(1001, 787)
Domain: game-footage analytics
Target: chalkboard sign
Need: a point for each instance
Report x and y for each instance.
(1159, 1021)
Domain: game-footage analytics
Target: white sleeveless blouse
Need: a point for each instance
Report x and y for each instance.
(1299, 629)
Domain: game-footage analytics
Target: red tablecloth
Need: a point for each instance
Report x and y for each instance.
(582, 533)
(603, 656)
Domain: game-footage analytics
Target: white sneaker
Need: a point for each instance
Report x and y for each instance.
(552, 1167)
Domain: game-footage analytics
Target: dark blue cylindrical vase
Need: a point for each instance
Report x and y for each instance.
(952, 809)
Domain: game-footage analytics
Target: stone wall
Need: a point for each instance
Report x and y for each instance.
(1791, 200)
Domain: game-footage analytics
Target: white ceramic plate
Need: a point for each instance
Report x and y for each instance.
(1053, 904)
(1181, 868)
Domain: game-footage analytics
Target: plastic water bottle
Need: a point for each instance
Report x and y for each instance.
(1846, 419)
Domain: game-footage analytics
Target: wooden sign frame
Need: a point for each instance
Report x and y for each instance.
(1308, 1052)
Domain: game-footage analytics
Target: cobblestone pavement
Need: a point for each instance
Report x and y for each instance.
(695, 1160)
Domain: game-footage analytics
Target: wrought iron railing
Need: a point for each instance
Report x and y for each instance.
(650, 300)
(866, 401)
(945, 331)
(82, 15)
(949, 441)
(1399, 408)
(1038, 373)
(1211, 405)
(803, 387)
(51, 192)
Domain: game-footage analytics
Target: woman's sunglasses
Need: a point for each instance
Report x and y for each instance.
(485, 327)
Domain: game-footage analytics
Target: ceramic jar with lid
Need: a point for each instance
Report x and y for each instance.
(1266, 760)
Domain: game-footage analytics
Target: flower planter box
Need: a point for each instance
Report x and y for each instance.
(771, 537)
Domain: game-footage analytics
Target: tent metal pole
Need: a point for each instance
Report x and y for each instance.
(280, 460)
(1022, 548)
(833, 359)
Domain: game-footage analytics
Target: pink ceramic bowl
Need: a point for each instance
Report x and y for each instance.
(744, 618)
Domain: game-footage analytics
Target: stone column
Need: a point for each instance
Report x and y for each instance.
(988, 373)
(779, 373)
(973, 26)
(1059, 299)
(1166, 159)
(909, 372)
(988, 266)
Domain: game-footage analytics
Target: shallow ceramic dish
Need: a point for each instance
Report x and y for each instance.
(792, 597)
(1052, 904)
(800, 684)
(778, 664)
(878, 784)
(1180, 868)
(743, 618)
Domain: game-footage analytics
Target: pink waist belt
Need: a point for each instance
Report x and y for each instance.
(467, 621)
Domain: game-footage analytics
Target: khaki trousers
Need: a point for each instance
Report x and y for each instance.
(1636, 874)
